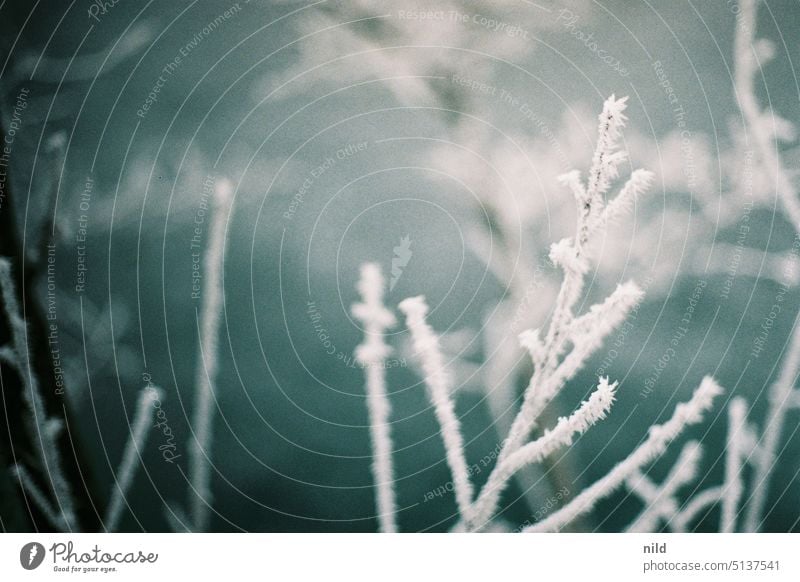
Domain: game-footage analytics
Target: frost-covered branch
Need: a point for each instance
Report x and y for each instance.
(570, 340)
(44, 429)
(586, 335)
(735, 451)
(607, 157)
(639, 182)
(38, 497)
(660, 503)
(643, 486)
(126, 471)
(659, 437)
(208, 361)
(781, 395)
(562, 435)
(766, 128)
(740, 447)
(561, 350)
(426, 345)
(371, 354)
(570, 255)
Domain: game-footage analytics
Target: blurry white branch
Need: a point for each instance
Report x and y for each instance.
(686, 414)
(766, 129)
(734, 457)
(209, 319)
(660, 502)
(740, 448)
(39, 498)
(44, 430)
(763, 126)
(562, 435)
(372, 354)
(569, 339)
(142, 422)
(426, 345)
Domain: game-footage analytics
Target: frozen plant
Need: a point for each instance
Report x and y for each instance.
(558, 353)
(660, 501)
(662, 504)
(208, 321)
(764, 129)
(659, 437)
(426, 344)
(60, 511)
(44, 430)
(142, 423)
(372, 354)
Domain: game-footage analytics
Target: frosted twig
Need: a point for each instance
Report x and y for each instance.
(659, 437)
(638, 183)
(38, 497)
(643, 486)
(587, 334)
(592, 410)
(42, 428)
(734, 453)
(758, 124)
(577, 338)
(572, 180)
(606, 157)
(426, 345)
(590, 200)
(761, 124)
(208, 361)
(131, 455)
(662, 504)
(549, 377)
(780, 399)
(371, 354)
(593, 327)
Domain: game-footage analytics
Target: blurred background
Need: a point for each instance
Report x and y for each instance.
(424, 136)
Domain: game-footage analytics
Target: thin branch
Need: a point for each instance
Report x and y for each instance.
(372, 354)
(735, 451)
(780, 399)
(42, 429)
(663, 504)
(208, 362)
(39, 498)
(639, 182)
(659, 437)
(587, 334)
(131, 455)
(756, 120)
(591, 411)
(757, 123)
(426, 345)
